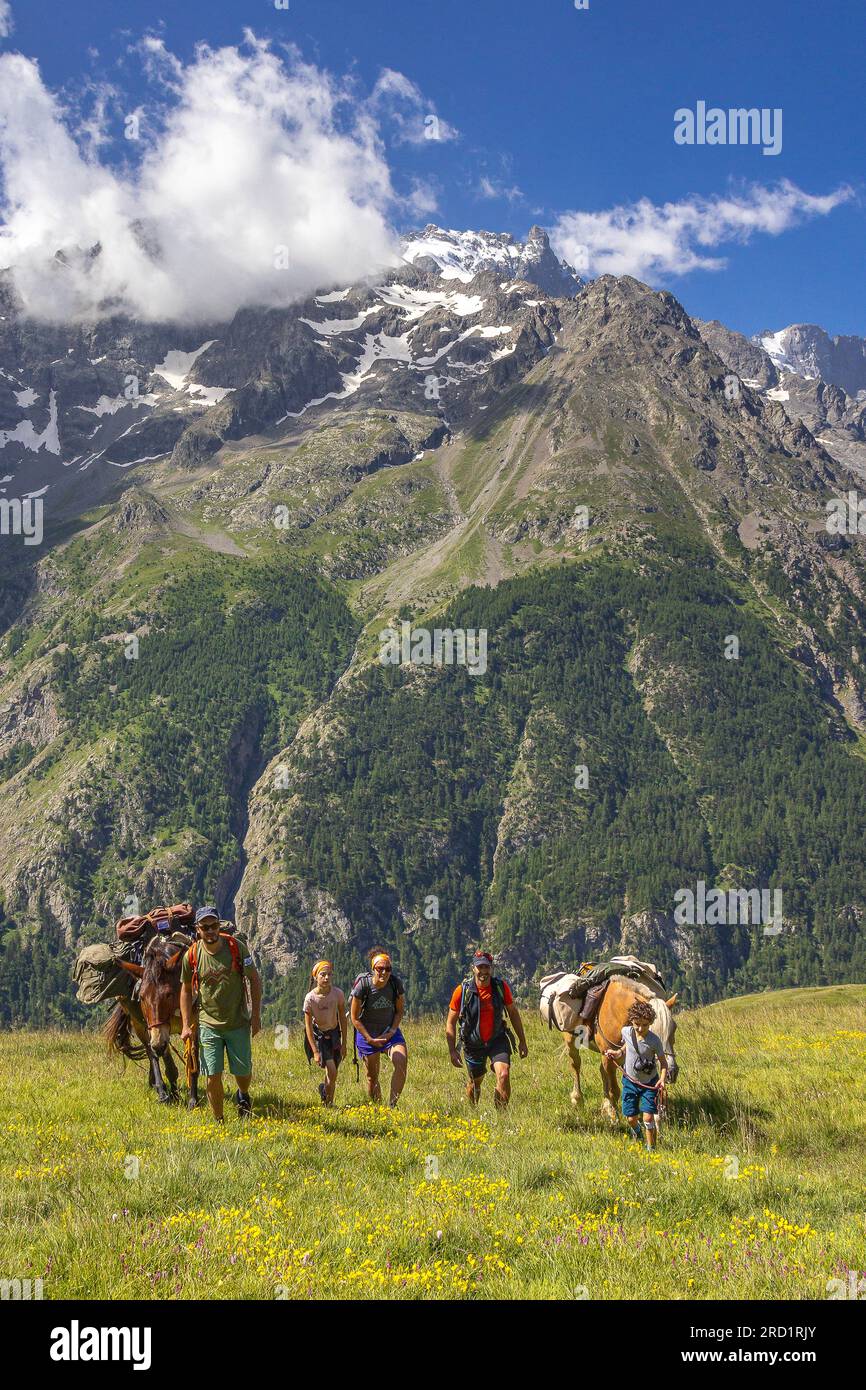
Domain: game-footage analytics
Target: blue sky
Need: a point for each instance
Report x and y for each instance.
(559, 111)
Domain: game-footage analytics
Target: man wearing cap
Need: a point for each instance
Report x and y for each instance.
(477, 1023)
(217, 968)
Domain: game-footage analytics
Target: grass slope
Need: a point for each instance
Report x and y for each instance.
(756, 1192)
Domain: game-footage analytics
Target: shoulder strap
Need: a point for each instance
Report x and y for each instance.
(461, 1017)
(237, 963)
(193, 960)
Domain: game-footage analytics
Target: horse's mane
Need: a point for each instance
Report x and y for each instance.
(156, 953)
(652, 991)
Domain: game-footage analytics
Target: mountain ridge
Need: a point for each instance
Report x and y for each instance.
(552, 492)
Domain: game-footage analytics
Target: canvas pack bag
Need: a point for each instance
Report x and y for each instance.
(98, 976)
(562, 995)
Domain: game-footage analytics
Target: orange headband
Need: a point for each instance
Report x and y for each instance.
(381, 958)
(320, 965)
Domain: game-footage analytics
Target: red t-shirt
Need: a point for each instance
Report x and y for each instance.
(485, 995)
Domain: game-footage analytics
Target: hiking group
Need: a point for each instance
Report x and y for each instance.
(476, 1024)
(209, 990)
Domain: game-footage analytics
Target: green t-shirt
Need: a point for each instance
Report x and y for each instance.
(221, 988)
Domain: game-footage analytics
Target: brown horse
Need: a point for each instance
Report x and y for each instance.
(606, 1032)
(154, 1019)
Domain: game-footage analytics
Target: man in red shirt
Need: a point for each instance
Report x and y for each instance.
(476, 1022)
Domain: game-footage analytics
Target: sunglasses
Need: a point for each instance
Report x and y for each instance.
(382, 969)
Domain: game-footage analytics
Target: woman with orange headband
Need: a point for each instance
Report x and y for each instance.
(325, 1025)
(378, 1000)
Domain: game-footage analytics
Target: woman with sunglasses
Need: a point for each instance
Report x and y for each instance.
(378, 1000)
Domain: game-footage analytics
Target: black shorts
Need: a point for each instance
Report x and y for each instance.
(477, 1058)
(329, 1045)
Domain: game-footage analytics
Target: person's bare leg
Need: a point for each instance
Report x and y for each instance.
(371, 1070)
(473, 1089)
(400, 1061)
(502, 1094)
(215, 1094)
(649, 1129)
(330, 1081)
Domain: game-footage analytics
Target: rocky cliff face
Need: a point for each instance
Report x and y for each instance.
(809, 351)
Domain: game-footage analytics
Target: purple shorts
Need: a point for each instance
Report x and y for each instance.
(365, 1050)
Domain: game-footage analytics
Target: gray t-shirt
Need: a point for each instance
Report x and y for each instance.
(378, 1012)
(641, 1054)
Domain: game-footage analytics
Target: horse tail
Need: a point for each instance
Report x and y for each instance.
(118, 1037)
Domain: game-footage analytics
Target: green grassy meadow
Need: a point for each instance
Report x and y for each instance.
(757, 1190)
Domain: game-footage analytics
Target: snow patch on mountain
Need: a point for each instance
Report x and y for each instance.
(26, 433)
(774, 346)
(461, 256)
(177, 365)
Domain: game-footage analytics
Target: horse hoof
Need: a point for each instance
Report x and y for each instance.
(577, 1102)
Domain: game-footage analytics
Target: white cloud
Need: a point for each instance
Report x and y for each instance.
(251, 163)
(7, 23)
(415, 120)
(422, 200)
(649, 240)
(488, 188)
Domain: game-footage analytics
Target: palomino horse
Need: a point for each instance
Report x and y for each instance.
(607, 1032)
(155, 1019)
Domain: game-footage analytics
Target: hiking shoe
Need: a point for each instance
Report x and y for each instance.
(244, 1104)
(323, 1093)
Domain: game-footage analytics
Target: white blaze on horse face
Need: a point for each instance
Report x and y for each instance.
(159, 1037)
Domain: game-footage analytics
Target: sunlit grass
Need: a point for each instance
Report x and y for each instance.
(758, 1189)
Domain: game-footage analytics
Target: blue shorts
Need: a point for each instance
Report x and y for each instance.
(365, 1050)
(638, 1099)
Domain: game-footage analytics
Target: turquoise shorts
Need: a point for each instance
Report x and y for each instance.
(638, 1099)
(214, 1043)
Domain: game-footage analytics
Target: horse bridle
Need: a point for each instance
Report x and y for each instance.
(144, 1012)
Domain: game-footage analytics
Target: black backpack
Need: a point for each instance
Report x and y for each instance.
(498, 987)
(366, 979)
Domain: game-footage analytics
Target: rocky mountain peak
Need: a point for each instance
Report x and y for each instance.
(459, 255)
(809, 351)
